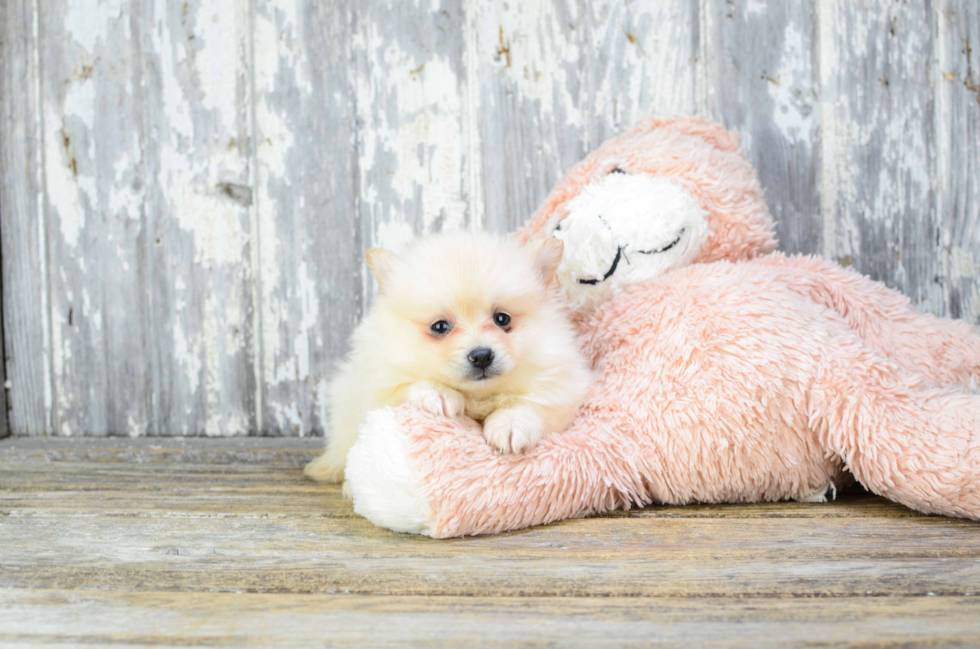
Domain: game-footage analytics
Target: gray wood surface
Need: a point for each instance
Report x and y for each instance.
(22, 242)
(958, 151)
(187, 189)
(173, 542)
(764, 75)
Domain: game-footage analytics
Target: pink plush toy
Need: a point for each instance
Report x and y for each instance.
(725, 374)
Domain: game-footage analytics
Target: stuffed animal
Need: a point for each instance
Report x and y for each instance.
(726, 373)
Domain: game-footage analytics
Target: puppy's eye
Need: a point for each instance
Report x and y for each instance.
(501, 319)
(440, 328)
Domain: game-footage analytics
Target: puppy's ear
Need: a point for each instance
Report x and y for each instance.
(547, 256)
(380, 263)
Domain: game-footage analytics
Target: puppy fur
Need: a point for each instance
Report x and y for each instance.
(490, 294)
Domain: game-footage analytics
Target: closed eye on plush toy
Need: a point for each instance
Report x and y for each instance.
(680, 235)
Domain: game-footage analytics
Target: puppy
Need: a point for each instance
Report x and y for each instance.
(465, 323)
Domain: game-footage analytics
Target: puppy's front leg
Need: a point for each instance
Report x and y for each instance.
(516, 428)
(435, 398)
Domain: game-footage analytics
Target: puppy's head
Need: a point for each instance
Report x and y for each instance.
(465, 309)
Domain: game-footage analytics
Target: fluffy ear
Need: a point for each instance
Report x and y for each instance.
(380, 263)
(547, 255)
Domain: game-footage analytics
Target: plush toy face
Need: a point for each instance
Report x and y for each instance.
(624, 229)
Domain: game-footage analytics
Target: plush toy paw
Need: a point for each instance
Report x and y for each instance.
(435, 399)
(381, 479)
(513, 429)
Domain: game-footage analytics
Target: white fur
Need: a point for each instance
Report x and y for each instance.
(514, 429)
(380, 477)
(628, 213)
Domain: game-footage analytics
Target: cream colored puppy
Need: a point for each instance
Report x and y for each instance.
(465, 323)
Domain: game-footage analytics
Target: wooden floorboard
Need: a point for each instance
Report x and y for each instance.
(174, 542)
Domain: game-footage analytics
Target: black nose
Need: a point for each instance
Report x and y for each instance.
(481, 357)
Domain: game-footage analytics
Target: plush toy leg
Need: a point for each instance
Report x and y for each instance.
(914, 444)
(945, 352)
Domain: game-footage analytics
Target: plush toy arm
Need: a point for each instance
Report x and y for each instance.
(414, 472)
(945, 352)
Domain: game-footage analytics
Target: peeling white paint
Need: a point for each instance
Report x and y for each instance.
(321, 401)
(212, 366)
(175, 104)
(792, 91)
(424, 151)
(309, 305)
(216, 222)
(221, 28)
(574, 72)
(70, 190)
(135, 427)
(962, 264)
(540, 54)
(188, 355)
(88, 22)
(288, 418)
(394, 235)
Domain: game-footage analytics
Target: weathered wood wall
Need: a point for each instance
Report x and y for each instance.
(186, 188)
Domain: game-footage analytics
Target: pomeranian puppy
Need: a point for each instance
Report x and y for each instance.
(465, 323)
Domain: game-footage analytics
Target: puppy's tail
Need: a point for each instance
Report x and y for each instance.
(325, 469)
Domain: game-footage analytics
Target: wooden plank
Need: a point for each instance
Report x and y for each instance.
(559, 78)
(310, 247)
(878, 143)
(415, 115)
(958, 178)
(22, 244)
(594, 557)
(218, 619)
(182, 517)
(762, 60)
(641, 58)
(530, 63)
(94, 188)
(197, 242)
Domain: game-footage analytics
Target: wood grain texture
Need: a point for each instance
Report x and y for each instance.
(247, 619)
(309, 248)
(762, 65)
(23, 252)
(530, 61)
(415, 148)
(958, 138)
(196, 250)
(878, 142)
(187, 189)
(92, 161)
(558, 78)
(176, 542)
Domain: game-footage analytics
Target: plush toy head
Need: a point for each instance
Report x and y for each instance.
(670, 192)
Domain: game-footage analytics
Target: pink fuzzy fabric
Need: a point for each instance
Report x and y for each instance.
(728, 383)
(763, 379)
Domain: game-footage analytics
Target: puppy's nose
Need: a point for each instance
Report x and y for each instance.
(481, 357)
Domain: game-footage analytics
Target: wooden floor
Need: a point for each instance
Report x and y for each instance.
(158, 542)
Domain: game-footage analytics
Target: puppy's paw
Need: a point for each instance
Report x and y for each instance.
(436, 399)
(346, 490)
(513, 429)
